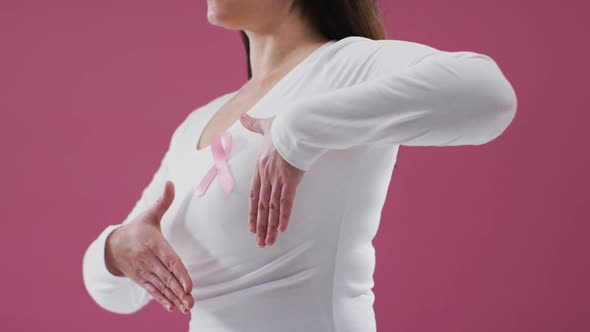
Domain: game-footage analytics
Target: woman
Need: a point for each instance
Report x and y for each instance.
(329, 101)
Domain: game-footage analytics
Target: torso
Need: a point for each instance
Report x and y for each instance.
(318, 276)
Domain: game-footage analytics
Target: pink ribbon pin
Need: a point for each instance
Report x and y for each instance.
(220, 167)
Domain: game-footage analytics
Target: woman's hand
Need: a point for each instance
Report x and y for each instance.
(139, 251)
(273, 186)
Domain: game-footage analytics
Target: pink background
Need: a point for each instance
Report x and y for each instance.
(473, 238)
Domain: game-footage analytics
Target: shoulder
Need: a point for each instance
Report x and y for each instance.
(359, 47)
(376, 56)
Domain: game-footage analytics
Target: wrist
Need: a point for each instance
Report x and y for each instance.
(109, 254)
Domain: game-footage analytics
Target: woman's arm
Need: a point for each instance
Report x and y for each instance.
(120, 294)
(441, 99)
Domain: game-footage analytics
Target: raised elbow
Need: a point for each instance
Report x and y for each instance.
(485, 95)
(500, 102)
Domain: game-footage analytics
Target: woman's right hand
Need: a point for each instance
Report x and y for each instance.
(139, 251)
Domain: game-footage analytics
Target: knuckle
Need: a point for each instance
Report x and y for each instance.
(272, 205)
(151, 245)
(170, 295)
(268, 166)
(141, 274)
(167, 279)
(162, 287)
(285, 201)
(153, 291)
(252, 194)
(172, 264)
(157, 283)
(168, 262)
(148, 287)
(261, 206)
(165, 257)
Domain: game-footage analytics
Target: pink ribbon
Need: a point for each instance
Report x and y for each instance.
(220, 167)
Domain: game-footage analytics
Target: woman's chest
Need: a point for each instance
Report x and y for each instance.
(207, 213)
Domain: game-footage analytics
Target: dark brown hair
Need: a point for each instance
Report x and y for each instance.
(337, 19)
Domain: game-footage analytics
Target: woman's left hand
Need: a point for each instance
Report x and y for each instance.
(273, 186)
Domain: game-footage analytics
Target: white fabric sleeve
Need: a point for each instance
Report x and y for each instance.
(120, 294)
(440, 99)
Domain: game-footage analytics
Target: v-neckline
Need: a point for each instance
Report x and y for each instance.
(224, 101)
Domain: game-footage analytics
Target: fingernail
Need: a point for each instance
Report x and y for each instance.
(168, 307)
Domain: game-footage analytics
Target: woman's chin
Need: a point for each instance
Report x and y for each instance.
(216, 21)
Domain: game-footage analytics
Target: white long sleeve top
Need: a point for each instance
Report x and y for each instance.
(341, 115)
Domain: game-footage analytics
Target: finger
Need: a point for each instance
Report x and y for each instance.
(170, 294)
(163, 202)
(253, 205)
(262, 220)
(156, 294)
(163, 272)
(169, 267)
(286, 205)
(176, 266)
(273, 214)
(253, 124)
(161, 286)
